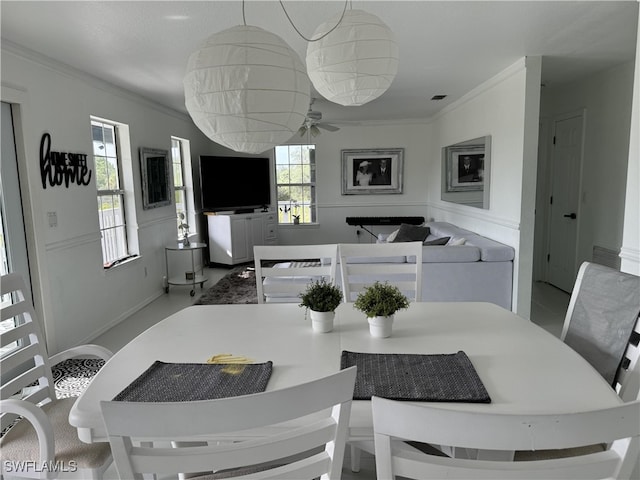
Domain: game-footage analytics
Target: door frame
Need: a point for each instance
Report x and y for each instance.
(32, 210)
(582, 112)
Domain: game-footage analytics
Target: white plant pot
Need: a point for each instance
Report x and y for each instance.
(380, 327)
(322, 322)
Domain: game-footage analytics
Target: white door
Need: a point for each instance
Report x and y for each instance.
(13, 244)
(566, 161)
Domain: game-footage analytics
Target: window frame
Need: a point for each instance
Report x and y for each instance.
(307, 211)
(124, 191)
(187, 185)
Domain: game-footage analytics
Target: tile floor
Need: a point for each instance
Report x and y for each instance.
(547, 310)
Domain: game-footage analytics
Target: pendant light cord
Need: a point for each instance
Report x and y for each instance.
(346, 2)
(244, 18)
(322, 36)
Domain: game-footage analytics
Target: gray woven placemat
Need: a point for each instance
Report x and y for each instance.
(403, 376)
(184, 382)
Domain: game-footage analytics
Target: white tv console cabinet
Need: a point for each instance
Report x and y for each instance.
(232, 236)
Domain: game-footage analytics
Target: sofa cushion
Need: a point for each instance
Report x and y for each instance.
(448, 254)
(490, 250)
(456, 241)
(437, 241)
(411, 233)
(392, 236)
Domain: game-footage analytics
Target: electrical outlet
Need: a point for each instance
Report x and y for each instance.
(52, 217)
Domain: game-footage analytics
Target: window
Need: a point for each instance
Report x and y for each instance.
(182, 183)
(179, 188)
(296, 184)
(111, 193)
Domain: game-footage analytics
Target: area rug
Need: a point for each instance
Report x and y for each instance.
(237, 286)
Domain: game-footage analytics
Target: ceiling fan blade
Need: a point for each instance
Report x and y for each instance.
(328, 127)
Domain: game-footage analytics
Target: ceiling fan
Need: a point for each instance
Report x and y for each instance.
(312, 123)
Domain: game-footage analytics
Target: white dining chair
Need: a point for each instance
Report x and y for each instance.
(296, 267)
(40, 443)
(400, 264)
(297, 433)
(396, 423)
(602, 314)
(361, 265)
(627, 381)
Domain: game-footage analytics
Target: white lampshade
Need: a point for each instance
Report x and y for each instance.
(356, 62)
(246, 89)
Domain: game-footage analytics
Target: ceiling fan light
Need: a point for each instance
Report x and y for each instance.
(246, 89)
(355, 63)
(315, 131)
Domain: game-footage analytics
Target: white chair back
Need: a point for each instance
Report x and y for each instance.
(398, 422)
(26, 370)
(298, 265)
(40, 439)
(602, 313)
(297, 432)
(627, 382)
(400, 264)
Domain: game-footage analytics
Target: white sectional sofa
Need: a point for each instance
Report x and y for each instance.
(479, 270)
(469, 268)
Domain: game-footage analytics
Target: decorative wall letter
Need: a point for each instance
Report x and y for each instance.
(58, 167)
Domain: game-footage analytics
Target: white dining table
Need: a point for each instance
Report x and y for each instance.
(524, 368)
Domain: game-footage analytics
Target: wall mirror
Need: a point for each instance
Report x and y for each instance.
(466, 171)
(156, 186)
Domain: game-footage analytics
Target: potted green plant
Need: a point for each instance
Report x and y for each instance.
(321, 298)
(379, 302)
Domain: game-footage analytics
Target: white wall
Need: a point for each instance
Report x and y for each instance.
(630, 251)
(503, 108)
(75, 296)
(606, 99)
(333, 207)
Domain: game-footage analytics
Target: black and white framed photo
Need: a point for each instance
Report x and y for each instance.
(156, 178)
(372, 171)
(465, 168)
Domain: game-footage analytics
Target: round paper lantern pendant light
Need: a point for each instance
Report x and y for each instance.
(356, 62)
(246, 89)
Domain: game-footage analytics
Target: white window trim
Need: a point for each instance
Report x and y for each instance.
(125, 167)
(187, 181)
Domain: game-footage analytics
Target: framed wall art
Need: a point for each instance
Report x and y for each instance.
(156, 180)
(465, 168)
(372, 171)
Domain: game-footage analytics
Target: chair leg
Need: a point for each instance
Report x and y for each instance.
(355, 459)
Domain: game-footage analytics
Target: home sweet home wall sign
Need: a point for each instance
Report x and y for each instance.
(57, 168)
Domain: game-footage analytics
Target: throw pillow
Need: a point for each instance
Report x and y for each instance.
(457, 241)
(392, 236)
(437, 241)
(411, 233)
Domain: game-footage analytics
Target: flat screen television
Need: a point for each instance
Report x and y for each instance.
(238, 184)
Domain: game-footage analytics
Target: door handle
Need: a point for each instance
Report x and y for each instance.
(572, 216)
